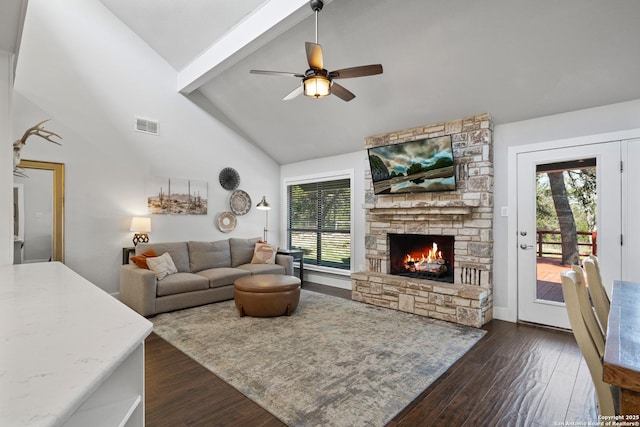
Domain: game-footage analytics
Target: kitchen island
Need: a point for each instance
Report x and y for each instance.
(71, 354)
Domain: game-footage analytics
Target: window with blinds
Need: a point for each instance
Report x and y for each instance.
(319, 222)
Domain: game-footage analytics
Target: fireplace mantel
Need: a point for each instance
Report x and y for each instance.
(447, 207)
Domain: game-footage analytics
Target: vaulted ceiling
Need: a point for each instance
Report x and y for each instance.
(442, 59)
(12, 14)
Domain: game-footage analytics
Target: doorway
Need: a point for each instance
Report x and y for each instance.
(569, 206)
(39, 212)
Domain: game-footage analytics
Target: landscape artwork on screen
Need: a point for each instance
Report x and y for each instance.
(414, 166)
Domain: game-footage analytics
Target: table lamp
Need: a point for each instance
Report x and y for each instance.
(141, 226)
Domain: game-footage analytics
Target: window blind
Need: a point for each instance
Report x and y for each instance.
(319, 222)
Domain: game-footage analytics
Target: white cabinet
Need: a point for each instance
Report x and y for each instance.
(119, 400)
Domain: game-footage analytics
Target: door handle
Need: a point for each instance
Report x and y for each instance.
(523, 246)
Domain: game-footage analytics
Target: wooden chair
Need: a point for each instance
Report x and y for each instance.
(598, 294)
(588, 335)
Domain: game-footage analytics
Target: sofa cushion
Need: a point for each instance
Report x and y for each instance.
(242, 250)
(205, 255)
(264, 253)
(223, 276)
(263, 268)
(178, 251)
(162, 265)
(180, 283)
(141, 260)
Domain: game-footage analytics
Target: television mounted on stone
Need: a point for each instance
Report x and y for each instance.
(416, 166)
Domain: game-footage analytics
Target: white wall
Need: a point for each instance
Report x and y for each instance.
(6, 159)
(583, 123)
(357, 162)
(84, 69)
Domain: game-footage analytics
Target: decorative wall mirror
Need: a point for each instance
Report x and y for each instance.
(39, 212)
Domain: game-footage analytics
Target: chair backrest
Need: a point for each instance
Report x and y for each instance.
(587, 311)
(581, 314)
(598, 294)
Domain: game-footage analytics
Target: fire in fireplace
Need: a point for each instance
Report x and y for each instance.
(422, 256)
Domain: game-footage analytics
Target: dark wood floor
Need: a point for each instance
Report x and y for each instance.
(517, 375)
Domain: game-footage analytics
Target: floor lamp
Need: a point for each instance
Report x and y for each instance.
(266, 207)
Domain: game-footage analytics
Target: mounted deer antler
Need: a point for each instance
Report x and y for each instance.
(41, 132)
(37, 130)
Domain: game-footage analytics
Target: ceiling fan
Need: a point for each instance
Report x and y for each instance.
(317, 82)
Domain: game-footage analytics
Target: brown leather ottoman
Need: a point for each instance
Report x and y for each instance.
(266, 295)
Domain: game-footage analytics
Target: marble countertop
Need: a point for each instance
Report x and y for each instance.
(61, 338)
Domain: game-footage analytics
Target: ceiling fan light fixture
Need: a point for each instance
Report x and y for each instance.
(317, 86)
(317, 82)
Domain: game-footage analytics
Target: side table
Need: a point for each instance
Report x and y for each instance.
(126, 252)
(297, 255)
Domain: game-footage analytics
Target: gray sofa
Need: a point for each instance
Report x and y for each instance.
(206, 272)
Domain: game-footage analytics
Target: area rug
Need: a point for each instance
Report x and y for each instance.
(334, 362)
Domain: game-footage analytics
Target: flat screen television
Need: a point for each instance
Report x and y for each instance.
(414, 166)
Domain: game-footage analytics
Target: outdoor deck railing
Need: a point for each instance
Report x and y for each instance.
(592, 244)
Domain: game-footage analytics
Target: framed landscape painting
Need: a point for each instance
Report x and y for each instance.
(177, 196)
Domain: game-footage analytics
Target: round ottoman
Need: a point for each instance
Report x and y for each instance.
(266, 295)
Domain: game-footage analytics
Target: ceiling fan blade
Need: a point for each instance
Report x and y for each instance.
(341, 92)
(277, 73)
(297, 91)
(364, 70)
(314, 55)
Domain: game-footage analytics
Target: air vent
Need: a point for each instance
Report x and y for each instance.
(146, 126)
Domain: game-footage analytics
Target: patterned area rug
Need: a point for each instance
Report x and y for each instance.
(333, 362)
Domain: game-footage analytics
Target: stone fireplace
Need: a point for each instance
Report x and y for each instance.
(459, 222)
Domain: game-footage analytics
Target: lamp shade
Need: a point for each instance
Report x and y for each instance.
(317, 86)
(140, 224)
(263, 205)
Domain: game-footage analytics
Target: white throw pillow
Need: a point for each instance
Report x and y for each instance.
(162, 265)
(264, 253)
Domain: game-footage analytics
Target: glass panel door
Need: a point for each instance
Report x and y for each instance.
(569, 205)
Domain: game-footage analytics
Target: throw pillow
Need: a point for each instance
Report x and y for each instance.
(162, 265)
(141, 260)
(264, 253)
(178, 250)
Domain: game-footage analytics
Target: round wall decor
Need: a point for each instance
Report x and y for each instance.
(240, 202)
(229, 178)
(226, 222)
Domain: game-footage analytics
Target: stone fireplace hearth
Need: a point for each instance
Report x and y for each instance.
(465, 215)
